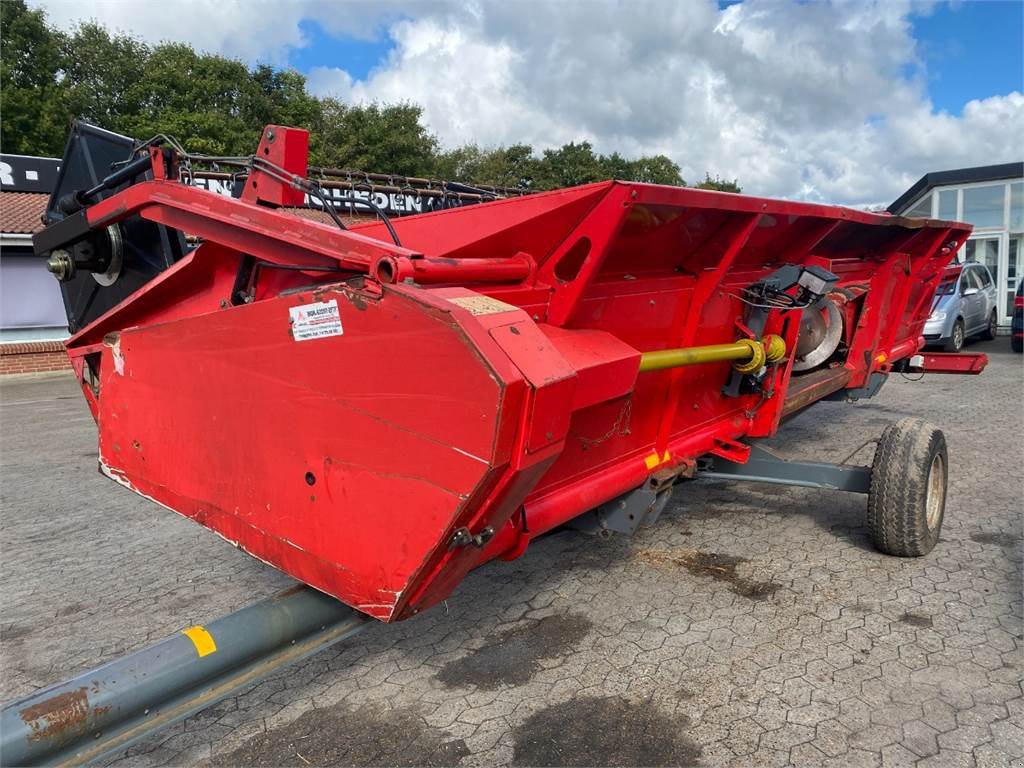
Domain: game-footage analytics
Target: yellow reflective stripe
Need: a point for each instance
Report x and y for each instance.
(201, 639)
(653, 460)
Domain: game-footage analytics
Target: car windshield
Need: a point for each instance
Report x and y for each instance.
(946, 288)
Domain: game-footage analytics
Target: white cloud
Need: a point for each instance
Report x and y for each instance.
(794, 99)
(262, 31)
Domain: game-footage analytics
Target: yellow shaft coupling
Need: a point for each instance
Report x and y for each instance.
(748, 355)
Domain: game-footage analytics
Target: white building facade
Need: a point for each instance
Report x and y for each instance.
(992, 199)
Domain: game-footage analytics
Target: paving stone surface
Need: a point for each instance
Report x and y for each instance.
(753, 625)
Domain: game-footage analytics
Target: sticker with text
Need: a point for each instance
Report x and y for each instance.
(316, 321)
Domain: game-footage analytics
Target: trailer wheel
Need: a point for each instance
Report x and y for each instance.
(908, 488)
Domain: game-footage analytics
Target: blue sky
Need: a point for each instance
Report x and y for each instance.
(356, 55)
(971, 50)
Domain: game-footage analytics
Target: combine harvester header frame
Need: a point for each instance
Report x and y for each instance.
(378, 410)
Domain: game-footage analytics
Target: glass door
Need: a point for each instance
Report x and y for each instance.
(984, 249)
(1014, 273)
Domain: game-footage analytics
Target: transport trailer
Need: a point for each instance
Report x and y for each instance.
(377, 410)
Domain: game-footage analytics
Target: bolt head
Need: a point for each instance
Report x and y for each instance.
(61, 265)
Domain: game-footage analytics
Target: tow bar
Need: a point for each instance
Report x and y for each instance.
(109, 708)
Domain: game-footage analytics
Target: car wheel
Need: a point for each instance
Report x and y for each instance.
(990, 330)
(955, 342)
(907, 499)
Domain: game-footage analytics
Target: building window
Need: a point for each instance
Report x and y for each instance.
(986, 278)
(983, 206)
(947, 204)
(983, 250)
(1017, 206)
(922, 208)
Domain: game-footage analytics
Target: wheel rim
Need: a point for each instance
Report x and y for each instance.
(935, 499)
(958, 336)
(992, 325)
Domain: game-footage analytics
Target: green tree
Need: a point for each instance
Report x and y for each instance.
(516, 166)
(33, 118)
(513, 166)
(656, 169)
(102, 73)
(463, 164)
(719, 184)
(197, 98)
(385, 138)
(615, 166)
(211, 103)
(278, 97)
(568, 166)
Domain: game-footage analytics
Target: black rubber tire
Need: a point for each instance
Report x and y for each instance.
(908, 454)
(990, 330)
(955, 342)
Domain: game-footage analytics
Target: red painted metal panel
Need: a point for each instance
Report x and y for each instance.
(288, 149)
(971, 363)
(344, 472)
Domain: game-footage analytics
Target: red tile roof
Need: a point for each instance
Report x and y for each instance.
(20, 212)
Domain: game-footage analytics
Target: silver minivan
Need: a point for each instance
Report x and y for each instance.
(964, 306)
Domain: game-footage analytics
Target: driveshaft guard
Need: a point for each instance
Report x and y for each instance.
(340, 437)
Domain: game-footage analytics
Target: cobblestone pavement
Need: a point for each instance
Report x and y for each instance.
(753, 625)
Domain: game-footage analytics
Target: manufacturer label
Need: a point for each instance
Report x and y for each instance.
(315, 321)
(482, 305)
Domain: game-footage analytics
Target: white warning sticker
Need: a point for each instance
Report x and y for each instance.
(316, 321)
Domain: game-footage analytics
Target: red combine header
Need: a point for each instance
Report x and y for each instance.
(378, 410)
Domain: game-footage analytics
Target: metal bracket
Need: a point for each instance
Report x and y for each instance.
(875, 382)
(765, 467)
(642, 506)
(463, 538)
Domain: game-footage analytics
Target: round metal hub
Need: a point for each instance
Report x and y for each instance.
(113, 271)
(821, 330)
(935, 498)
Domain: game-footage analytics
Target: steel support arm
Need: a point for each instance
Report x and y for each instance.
(766, 467)
(109, 708)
